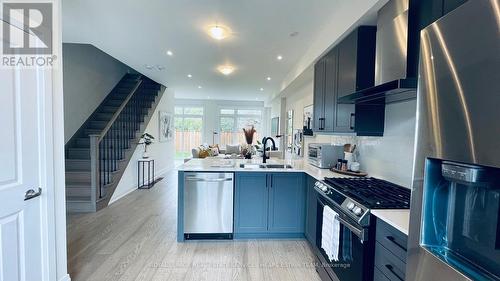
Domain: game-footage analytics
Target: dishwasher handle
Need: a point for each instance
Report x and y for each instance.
(208, 180)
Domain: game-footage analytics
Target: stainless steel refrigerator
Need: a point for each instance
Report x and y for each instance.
(455, 210)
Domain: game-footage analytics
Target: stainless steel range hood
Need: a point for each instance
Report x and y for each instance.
(396, 59)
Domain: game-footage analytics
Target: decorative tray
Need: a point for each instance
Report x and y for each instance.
(350, 173)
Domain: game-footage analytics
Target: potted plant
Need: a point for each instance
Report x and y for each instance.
(146, 140)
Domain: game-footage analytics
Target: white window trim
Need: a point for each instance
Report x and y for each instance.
(235, 117)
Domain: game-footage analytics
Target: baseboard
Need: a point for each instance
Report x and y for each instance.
(268, 236)
(65, 278)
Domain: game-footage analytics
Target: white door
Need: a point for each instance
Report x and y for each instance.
(24, 152)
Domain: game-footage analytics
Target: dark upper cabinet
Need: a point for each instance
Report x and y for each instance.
(357, 61)
(348, 67)
(450, 5)
(329, 116)
(330, 101)
(319, 96)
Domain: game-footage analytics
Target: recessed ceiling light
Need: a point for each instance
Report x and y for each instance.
(148, 66)
(170, 53)
(279, 57)
(190, 76)
(261, 89)
(199, 87)
(268, 78)
(219, 32)
(225, 69)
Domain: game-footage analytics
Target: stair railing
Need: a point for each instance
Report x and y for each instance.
(108, 147)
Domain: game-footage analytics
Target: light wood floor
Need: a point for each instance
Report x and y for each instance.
(135, 239)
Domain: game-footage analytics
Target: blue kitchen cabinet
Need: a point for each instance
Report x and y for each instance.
(251, 203)
(286, 203)
(269, 205)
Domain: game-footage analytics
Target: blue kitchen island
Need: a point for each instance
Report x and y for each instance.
(267, 202)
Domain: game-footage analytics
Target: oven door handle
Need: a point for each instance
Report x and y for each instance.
(361, 233)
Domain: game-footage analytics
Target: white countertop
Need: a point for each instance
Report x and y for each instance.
(233, 165)
(399, 219)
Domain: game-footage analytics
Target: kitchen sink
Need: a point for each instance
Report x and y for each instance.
(252, 166)
(278, 166)
(265, 166)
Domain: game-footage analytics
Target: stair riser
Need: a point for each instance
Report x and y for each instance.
(85, 143)
(84, 178)
(77, 165)
(78, 191)
(127, 87)
(112, 109)
(77, 154)
(116, 133)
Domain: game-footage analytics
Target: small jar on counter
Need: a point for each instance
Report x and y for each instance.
(339, 164)
(344, 165)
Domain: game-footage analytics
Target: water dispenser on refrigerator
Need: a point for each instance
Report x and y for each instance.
(461, 217)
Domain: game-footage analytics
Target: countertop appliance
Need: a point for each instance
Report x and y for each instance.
(457, 160)
(324, 155)
(208, 205)
(352, 199)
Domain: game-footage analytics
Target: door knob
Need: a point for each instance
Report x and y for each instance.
(30, 194)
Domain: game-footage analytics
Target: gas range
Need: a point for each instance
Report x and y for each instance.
(357, 196)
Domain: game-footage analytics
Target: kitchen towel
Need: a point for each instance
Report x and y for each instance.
(330, 234)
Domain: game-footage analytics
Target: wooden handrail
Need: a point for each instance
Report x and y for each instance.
(117, 113)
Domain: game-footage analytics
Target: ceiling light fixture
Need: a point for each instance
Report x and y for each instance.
(190, 76)
(199, 87)
(226, 69)
(279, 57)
(261, 89)
(170, 53)
(219, 32)
(268, 78)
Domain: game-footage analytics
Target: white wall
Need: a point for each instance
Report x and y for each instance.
(89, 76)
(211, 113)
(391, 157)
(162, 152)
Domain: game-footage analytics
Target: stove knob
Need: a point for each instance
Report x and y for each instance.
(357, 211)
(350, 206)
(317, 183)
(324, 188)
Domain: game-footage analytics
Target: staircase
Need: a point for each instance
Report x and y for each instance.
(99, 152)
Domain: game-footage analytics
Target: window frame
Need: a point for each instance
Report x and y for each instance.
(235, 116)
(183, 116)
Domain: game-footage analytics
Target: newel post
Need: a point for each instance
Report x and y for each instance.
(94, 167)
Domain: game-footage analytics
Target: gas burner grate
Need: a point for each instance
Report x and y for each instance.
(373, 193)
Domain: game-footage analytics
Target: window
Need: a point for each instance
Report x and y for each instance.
(188, 122)
(231, 124)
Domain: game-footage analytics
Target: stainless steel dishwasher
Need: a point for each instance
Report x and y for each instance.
(208, 205)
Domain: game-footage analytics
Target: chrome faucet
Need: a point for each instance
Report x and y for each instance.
(264, 141)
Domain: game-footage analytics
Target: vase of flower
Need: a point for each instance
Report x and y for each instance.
(249, 133)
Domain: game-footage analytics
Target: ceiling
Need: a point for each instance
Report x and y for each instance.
(139, 33)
